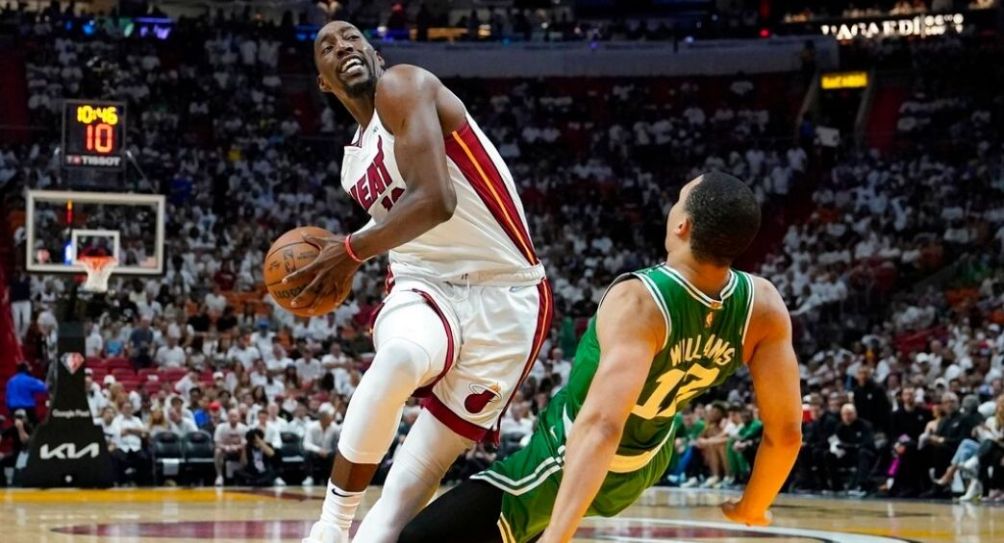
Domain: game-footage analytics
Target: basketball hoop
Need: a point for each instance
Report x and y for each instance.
(99, 270)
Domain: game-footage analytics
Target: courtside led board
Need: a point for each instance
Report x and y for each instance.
(94, 134)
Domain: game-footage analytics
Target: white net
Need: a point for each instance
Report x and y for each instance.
(99, 270)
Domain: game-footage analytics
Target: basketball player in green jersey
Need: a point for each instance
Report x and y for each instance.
(661, 337)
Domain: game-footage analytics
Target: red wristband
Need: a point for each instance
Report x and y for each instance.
(348, 250)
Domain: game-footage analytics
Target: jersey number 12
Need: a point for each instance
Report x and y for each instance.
(669, 384)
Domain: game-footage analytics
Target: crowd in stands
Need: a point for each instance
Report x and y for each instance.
(892, 272)
(845, 9)
(440, 21)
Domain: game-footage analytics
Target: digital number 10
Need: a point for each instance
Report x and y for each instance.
(100, 138)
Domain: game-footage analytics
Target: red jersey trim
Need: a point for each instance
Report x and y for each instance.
(461, 427)
(426, 390)
(465, 149)
(545, 313)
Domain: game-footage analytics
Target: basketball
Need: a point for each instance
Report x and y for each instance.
(287, 254)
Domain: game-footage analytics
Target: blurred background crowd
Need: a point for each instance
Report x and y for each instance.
(888, 255)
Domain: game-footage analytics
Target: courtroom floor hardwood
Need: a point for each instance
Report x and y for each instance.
(283, 515)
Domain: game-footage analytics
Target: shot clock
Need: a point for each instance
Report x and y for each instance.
(94, 134)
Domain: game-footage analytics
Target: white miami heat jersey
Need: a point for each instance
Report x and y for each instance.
(487, 235)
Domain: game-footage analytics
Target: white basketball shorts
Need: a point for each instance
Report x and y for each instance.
(494, 335)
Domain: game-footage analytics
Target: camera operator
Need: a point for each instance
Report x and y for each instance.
(259, 461)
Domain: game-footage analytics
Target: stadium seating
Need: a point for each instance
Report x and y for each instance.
(292, 457)
(167, 454)
(197, 448)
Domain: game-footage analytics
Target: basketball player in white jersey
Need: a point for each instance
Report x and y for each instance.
(469, 307)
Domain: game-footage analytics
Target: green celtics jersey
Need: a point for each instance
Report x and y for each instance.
(704, 346)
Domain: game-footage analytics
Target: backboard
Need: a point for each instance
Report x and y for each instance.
(64, 225)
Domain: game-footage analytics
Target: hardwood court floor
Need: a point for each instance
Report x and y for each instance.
(663, 515)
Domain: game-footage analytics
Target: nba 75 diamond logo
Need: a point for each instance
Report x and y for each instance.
(73, 361)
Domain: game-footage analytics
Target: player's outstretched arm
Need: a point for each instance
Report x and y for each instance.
(774, 369)
(631, 330)
(411, 103)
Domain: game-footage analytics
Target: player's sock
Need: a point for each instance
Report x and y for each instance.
(340, 506)
(427, 453)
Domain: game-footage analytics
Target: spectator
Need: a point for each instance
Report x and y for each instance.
(517, 422)
(141, 344)
(18, 434)
(262, 338)
(322, 327)
(966, 454)
(171, 355)
(269, 430)
(852, 445)
(908, 419)
(195, 401)
(94, 345)
(215, 302)
(280, 424)
(259, 461)
(229, 438)
(940, 447)
(273, 387)
(291, 380)
(691, 427)
(308, 368)
(178, 403)
(213, 420)
(244, 353)
(319, 443)
(741, 449)
(157, 423)
(712, 445)
(277, 360)
(560, 365)
(96, 399)
(300, 421)
(809, 470)
(871, 400)
(21, 391)
(186, 384)
(129, 435)
(178, 423)
(990, 456)
(105, 422)
(114, 344)
(20, 302)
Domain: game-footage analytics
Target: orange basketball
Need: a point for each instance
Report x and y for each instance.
(286, 255)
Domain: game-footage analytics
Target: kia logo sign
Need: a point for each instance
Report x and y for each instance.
(68, 451)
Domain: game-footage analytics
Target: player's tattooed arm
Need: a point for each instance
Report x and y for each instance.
(631, 330)
(414, 106)
(774, 370)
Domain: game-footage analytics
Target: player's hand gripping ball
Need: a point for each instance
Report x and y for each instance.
(307, 271)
